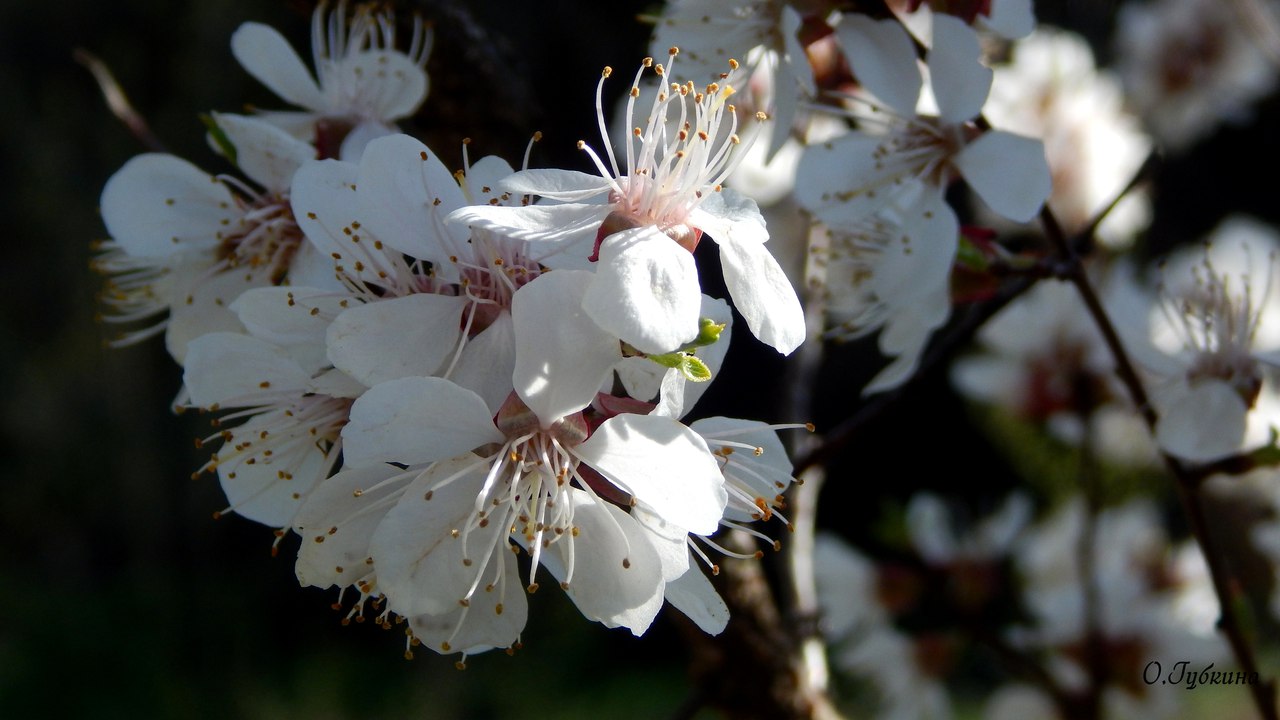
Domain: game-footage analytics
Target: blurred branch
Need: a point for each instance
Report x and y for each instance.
(1187, 481)
(117, 101)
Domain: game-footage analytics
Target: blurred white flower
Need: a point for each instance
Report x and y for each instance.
(1052, 90)
(362, 84)
(1213, 335)
(1189, 65)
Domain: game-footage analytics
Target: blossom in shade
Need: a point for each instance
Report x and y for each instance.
(1210, 344)
(1188, 65)
(881, 188)
(362, 84)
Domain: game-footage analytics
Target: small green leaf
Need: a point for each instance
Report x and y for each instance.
(694, 369)
(708, 333)
(219, 138)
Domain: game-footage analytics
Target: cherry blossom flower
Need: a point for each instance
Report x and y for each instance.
(1188, 65)
(438, 533)
(1211, 344)
(189, 243)
(1135, 608)
(1052, 90)
(767, 33)
(645, 289)
(362, 83)
(881, 193)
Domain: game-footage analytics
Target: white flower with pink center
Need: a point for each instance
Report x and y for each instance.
(189, 243)
(540, 474)
(646, 218)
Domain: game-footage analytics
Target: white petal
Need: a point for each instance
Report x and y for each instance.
(663, 464)
(562, 185)
(488, 361)
(388, 339)
(391, 85)
(425, 563)
(1203, 422)
(405, 192)
(267, 154)
(883, 59)
(229, 368)
(929, 526)
(206, 309)
(291, 315)
(337, 522)
(324, 201)
(494, 619)
(842, 181)
(616, 576)
(353, 145)
(563, 356)
(762, 293)
(482, 184)
(160, 205)
(551, 227)
(693, 595)
(645, 291)
(959, 80)
(416, 420)
(265, 54)
(669, 541)
(270, 489)
(1009, 172)
(1010, 19)
(729, 215)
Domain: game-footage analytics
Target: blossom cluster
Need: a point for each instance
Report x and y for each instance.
(426, 373)
(454, 383)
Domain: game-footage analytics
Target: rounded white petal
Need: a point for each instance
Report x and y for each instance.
(663, 464)
(405, 193)
(959, 80)
(265, 54)
(159, 205)
(416, 420)
(763, 294)
(337, 522)
(562, 356)
(268, 155)
(1009, 172)
(881, 55)
(729, 215)
(1203, 422)
(425, 563)
(388, 339)
(230, 368)
(616, 575)
(693, 595)
(645, 291)
(288, 315)
(205, 308)
(391, 85)
(269, 489)
(494, 617)
(1010, 19)
(842, 181)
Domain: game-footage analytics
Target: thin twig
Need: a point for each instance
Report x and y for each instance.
(117, 101)
(1188, 482)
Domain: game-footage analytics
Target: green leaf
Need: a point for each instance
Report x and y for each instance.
(219, 138)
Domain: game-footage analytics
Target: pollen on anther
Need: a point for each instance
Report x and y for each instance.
(626, 563)
(606, 72)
